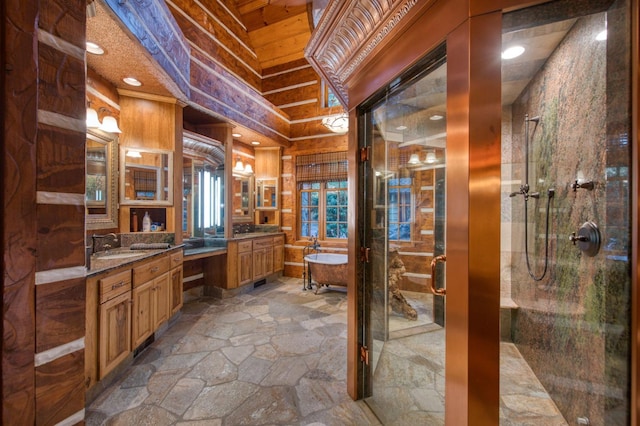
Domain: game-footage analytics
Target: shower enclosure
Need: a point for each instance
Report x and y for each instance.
(571, 324)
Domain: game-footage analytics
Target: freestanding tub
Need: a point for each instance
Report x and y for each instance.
(327, 269)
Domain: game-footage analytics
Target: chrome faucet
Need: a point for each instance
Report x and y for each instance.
(94, 237)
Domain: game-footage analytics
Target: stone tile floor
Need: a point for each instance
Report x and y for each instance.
(276, 356)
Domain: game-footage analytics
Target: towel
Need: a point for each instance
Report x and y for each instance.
(149, 246)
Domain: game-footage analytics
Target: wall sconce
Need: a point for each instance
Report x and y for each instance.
(431, 157)
(109, 123)
(337, 123)
(248, 169)
(414, 159)
(239, 166)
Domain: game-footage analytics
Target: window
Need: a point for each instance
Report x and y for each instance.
(322, 184)
(400, 209)
(329, 99)
(323, 209)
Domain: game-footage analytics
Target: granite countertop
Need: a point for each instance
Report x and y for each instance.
(122, 256)
(255, 235)
(202, 250)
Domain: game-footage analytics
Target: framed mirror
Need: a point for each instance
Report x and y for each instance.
(146, 176)
(101, 186)
(266, 193)
(242, 198)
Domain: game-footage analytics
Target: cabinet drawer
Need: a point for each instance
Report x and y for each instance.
(150, 270)
(278, 240)
(244, 246)
(262, 243)
(114, 285)
(175, 259)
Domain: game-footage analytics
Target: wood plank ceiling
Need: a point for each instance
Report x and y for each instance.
(279, 29)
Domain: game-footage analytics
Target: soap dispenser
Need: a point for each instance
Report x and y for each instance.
(146, 223)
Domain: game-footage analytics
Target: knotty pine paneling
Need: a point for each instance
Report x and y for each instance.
(214, 51)
(62, 82)
(269, 14)
(59, 388)
(60, 164)
(60, 236)
(309, 129)
(60, 313)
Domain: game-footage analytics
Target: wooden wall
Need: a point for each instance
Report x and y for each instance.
(43, 226)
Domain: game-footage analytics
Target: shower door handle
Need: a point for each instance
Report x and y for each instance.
(434, 262)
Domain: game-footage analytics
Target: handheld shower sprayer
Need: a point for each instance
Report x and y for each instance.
(524, 190)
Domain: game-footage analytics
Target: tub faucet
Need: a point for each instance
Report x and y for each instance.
(314, 242)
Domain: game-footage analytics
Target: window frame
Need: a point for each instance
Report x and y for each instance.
(322, 190)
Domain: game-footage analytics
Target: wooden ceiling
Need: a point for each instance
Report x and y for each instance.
(279, 29)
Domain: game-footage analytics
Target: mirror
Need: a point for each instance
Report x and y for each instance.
(202, 198)
(266, 190)
(146, 176)
(101, 180)
(242, 205)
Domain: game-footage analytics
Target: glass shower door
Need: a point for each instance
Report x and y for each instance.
(405, 132)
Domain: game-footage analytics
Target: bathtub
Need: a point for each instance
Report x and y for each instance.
(327, 269)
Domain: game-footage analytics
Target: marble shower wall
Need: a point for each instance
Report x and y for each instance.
(572, 326)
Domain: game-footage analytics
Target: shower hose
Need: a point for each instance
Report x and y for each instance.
(550, 194)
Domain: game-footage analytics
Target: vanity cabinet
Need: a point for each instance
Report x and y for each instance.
(249, 260)
(115, 320)
(151, 287)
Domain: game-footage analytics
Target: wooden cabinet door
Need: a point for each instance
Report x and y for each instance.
(176, 289)
(258, 263)
(161, 290)
(245, 267)
(278, 258)
(142, 316)
(268, 261)
(115, 332)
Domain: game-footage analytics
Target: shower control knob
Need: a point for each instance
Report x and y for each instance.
(587, 238)
(575, 238)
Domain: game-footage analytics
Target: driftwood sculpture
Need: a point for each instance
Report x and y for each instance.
(398, 304)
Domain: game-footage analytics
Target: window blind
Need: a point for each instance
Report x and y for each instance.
(324, 167)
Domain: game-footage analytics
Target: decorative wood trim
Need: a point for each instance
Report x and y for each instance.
(348, 33)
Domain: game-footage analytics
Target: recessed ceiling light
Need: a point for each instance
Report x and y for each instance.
(131, 81)
(236, 135)
(94, 48)
(401, 128)
(512, 52)
(436, 117)
(255, 143)
(602, 35)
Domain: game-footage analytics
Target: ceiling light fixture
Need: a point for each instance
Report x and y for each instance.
(132, 81)
(401, 128)
(255, 143)
(94, 48)
(512, 52)
(436, 117)
(337, 123)
(236, 135)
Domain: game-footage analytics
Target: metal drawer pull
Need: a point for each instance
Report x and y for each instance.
(154, 269)
(120, 284)
(434, 262)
